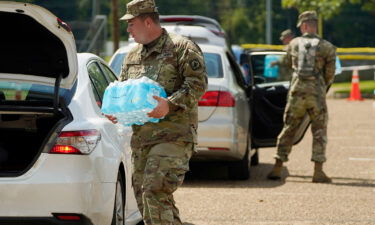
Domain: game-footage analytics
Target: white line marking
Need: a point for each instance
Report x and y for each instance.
(358, 147)
(361, 159)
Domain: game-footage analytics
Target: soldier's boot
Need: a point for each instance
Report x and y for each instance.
(275, 173)
(319, 175)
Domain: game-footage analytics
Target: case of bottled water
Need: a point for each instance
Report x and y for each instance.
(130, 101)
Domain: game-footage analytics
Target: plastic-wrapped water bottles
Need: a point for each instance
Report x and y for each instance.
(131, 100)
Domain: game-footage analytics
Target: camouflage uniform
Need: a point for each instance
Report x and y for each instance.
(286, 33)
(161, 151)
(308, 95)
(285, 71)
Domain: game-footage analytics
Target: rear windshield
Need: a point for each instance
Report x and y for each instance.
(117, 63)
(213, 63)
(14, 91)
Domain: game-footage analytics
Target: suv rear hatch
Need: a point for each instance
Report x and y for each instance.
(38, 72)
(214, 96)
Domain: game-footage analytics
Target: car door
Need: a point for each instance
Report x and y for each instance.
(124, 139)
(269, 90)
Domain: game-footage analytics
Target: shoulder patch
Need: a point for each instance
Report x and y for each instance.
(195, 64)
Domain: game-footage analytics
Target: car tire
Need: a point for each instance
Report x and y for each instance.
(255, 158)
(239, 170)
(119, 207)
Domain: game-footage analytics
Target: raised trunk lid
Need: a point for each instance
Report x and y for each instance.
(36, 47)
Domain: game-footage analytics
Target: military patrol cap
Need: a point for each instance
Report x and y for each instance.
(305, 16)
(285, 34)
(139, 7)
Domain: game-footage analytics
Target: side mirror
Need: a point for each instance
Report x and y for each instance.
(244, 58)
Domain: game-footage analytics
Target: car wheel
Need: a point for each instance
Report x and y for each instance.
(119, 208)
(239, 170)
(255, 158)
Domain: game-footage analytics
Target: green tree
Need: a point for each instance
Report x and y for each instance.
(360, 32)
(366, 5)
(327, 8)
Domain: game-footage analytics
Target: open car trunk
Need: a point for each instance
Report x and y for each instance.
(23, 136)
(38, 73)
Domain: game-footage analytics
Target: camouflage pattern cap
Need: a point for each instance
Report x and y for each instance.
(285, 34)
(138, 7)
(305, 16)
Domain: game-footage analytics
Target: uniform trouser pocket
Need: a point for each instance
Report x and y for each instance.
(166, 166)
(164, 172)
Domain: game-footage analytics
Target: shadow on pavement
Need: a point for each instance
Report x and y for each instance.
(339, 181)
(214, 174)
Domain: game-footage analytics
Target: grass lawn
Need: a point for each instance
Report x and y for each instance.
(367, 86)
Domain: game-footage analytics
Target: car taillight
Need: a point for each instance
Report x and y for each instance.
(217, 98)
(76, 142)
(64, 25)
(218, 149)
(176, 19)
(67, 216)
(218, 33)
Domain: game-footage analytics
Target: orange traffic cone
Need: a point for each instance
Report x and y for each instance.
(355, 93)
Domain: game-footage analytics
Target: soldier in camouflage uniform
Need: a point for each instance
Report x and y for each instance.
(161, 151)
(285, 71)
(313, 62)
(286, 36)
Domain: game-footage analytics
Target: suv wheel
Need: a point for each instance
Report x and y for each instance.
(255, 158)
(239, 170)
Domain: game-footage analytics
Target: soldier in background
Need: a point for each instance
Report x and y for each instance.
(313, 62)
(161, 151)
(286, 36)
(285, 71)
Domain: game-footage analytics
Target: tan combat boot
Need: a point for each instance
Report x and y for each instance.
(275, 174)
(319, 175)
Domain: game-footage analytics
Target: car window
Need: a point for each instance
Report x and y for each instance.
(338, 66)
(98, 80)
(237, 72)
(116, 63)
(13, 91)
(269, 68)
(214, 65)
(23, 91)
(108, 73)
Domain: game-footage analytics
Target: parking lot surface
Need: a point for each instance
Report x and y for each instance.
(208, 198)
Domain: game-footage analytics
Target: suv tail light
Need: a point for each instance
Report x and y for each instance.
(217, 98)
(177, 19)
(76, 142)
(64, 25)
(67, 216)
(218, 33)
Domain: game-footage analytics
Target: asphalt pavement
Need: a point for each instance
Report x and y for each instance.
(208, 198)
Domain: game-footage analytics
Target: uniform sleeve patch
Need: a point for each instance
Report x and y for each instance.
(195, 64)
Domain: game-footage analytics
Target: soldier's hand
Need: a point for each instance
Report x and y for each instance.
(161, 109)
(113, 119)
(273, 63)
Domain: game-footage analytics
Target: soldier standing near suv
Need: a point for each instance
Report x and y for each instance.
(161, 151)
(313, 62)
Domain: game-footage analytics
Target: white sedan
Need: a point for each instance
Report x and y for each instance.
(61, 160)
